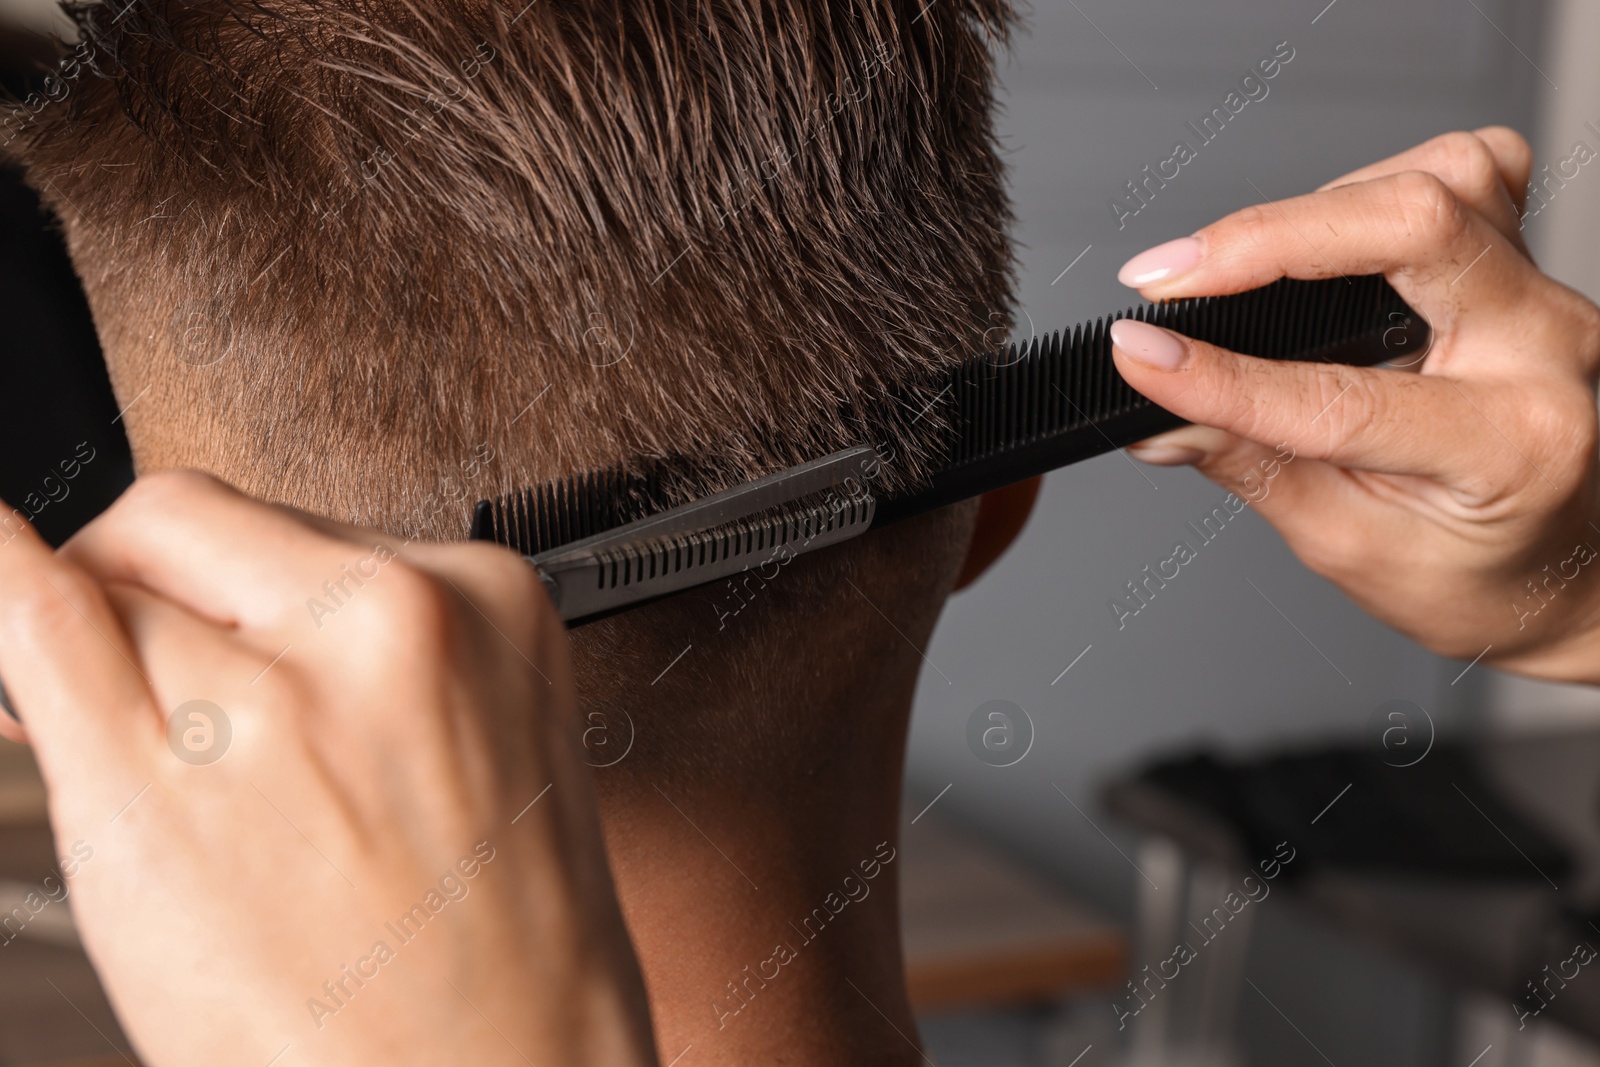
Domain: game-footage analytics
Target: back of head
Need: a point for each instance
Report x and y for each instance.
(378, 259)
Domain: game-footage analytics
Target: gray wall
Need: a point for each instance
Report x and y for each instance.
(1210, 659)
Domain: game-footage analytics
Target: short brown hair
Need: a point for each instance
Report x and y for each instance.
(360, 251)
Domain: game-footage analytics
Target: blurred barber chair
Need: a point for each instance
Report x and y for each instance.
(1477, 861)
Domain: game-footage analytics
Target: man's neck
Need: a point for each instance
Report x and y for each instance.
(766, 918)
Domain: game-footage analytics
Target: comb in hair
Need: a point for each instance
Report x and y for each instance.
(1023, 409)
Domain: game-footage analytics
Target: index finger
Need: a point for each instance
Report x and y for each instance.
(213, 550)
(1487, 168)
(1440, 255)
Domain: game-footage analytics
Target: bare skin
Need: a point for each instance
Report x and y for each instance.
(409, 738)
(390, 753)
(1457, 502)
(422, 719)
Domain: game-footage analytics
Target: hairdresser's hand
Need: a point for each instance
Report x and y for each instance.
(1432, 497)
(396, 858)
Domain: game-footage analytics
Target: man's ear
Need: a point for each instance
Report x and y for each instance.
(1001, 516)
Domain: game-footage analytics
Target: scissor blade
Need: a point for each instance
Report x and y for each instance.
(837, 471)
(601, 580)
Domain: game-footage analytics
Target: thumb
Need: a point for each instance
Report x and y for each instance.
(1303, 498)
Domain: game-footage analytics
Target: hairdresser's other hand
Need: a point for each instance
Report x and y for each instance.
(1433, 497)
(376, 844)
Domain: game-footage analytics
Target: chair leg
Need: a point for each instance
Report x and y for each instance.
(1183, 990)
(1163, 870)
(1223, 945)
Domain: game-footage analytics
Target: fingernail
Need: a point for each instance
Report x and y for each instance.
(1149, 344)
(1165, 455)
(1161, 262)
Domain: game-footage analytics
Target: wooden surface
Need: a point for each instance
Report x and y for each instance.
(981, 930)
(21, 791)
(52, 1009)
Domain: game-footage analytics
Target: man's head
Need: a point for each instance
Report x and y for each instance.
(378, 259)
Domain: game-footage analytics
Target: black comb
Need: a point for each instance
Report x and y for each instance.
(1026, 408)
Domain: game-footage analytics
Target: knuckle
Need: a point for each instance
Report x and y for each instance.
(1540, 443)
(1237, 411)
(1251, 229)
(1585, 322)
(1469, 159)
(407, 608)
(1564, 435)
(1509, 145)
(508, 574)
(1432, 213)
(1585, 436)
(164, 492)
(504, 592)
(1225, 389)
(179, 483)
(47, 608)
(1347, 404)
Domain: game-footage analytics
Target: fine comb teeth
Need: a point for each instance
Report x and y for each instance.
(613, 578)
(1055, 400)
(1028, 408)
(567, 510)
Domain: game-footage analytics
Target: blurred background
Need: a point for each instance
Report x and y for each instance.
(1246, 657)
(1085, 795)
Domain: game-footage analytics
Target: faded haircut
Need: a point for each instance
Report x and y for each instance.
(380, 258)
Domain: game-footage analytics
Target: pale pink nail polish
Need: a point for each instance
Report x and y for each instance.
(1165, 455)
(1161, 262)
(1149, 344)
